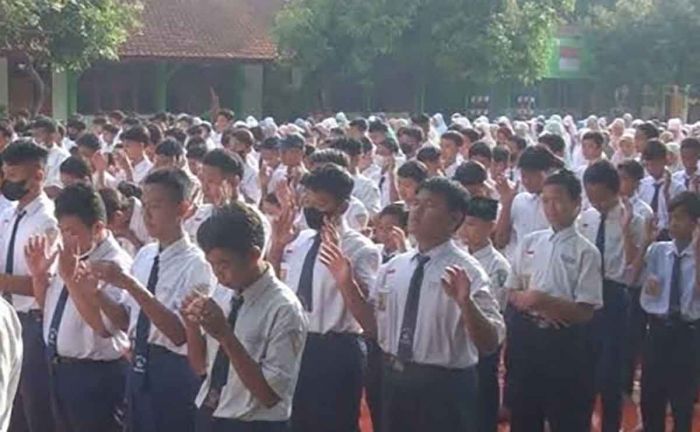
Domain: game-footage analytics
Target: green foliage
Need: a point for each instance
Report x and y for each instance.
(67, 33)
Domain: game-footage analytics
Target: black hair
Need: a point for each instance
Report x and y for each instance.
(649, 130)
(136, 133)
(234, 227)
(99, 121)
(654, 150)
(244, 136)
(109, 127)
(113, 201)
(483, 208)
(82, 201)
(89, 141)
(691, 143)
(349, 146)
(398, 210)
(603, 172)
(129, 189)
(177, 134)
(413, 132)
(456, 197)
(46, 123)
(632, 168)
(175, 180)
(594, 136)
(271, 143)
(331, 179)
(501, 154)
(470, 173)
(420, 118)
(482, 149)
(414, 170)
(391, 145)
(76, 167)
(429, 153)
(687, 200)
(195, 130)
(538, 158)
(171, 148)
(453, 136)
(226, 113)
(360, 124)
(471, 134)
(520, 142)
(330, 155)
(76, 122)
(567, 180)
(24, 151)
(131, 121)
(228, 162)
(196, 149)
(554, 142)
(378, 126)
(155, 133)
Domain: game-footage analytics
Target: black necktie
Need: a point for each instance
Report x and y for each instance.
(674, 298)
(306, 280)
(381, 182)
(219, 371)
(655, 198)
(600, 242)
(10, 262)
(143, 327)
(410, 311)
(52, 346)
(687, 182)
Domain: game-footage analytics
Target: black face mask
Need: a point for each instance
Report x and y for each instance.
(314, 218)
(14, 191)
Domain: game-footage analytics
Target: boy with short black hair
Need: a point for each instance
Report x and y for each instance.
(450, 144)
(431, 157)
(481, 152)
(409, 177)
(690, 155)
(473, 176)
(75, 170)
(133, 161)
(671, 298)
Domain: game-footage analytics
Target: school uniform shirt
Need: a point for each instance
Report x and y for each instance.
(54, 159)
(357, 216)
(10, 360)
(6, 204)
(616, 268)
(136, 223)
(277, 176)
(67, 144)
(659, 265)
(367, 192)
(562, 264)
(373, 172)
(182, 268)
(452, 168)
(75, 338)
(250, 187)
(526, 216)
(139, 171)
(683, 178)
(646, 193)
(271, 326)
(38, 219)
(440, 337)
(497, 268)
(385, 188)
(329, 313)
(641, 208)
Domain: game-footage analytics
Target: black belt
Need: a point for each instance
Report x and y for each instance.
(397, 365)
(332, 335)
(72, 360)
(609, 283)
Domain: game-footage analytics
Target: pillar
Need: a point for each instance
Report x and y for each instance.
(161, 87)
(252, 91)
(59, 94)
(4, 85)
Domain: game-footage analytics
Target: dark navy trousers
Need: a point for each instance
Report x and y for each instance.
(489, 392)
(205, 423)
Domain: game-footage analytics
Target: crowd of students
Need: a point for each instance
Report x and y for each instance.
(172, 274)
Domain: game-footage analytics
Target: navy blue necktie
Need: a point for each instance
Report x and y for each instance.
(306, 280)
(674, 298)
(410, 311)
(143, 327)
(600, 242)
(655, 198)
(219, 371)
(10, 262)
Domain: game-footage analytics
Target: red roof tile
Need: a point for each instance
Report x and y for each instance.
(204, 29)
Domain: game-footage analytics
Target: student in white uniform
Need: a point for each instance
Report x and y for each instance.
(432, 313)
(4, 202)
(672, 299)
(10, 360)
(658, 188)
(387, 154)
(133, 161)
(475, 234)
(617, 231)
(366, 190)
(24, 173)
(555, 288)
(84, 322)
(221, 176)
(408, 178)
(161, 386)
(522, 213)
(472, 175)
(450, 144)
(44, 131)
(330, 382)
(367, 164)
(241, 141)
(255, 330)
(690, 154)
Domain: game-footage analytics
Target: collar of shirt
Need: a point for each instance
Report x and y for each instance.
(175, 248)
(255, 290)
(436, 251)
(36, 204)
(562, 235)
(689, 250)
(101, 249)
(484, 252)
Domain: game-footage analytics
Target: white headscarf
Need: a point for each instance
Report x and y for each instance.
(439, 124)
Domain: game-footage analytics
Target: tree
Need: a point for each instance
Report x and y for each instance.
(65, 34)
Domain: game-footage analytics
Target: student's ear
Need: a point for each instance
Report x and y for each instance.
(184, 209)
(343, 207)
(255, 254)
(491, 227)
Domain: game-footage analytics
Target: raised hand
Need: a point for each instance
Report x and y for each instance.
(505, 190)
(651, 230)
(332, 256)
(457, 285)
(38, 256)
(283, 231)
(191, 308)
(68, 258)
(108, 272)
(627, 213)
(397, 240)
(99, 162)
(212, 318)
